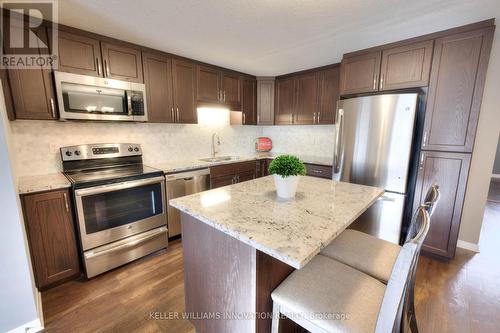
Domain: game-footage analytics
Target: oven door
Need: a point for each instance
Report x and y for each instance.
(112, 212)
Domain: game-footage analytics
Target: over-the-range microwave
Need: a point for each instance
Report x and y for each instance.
(84, 97)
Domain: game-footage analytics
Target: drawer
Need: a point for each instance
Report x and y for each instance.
(322, 171)
(232, 169)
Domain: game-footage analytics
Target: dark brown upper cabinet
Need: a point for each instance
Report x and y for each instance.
(329, 85)
(32, 90)
(249, 101)
(360, 73)
(184, 91)
(286, 92)
(209, 85)
(51, 235)
(158, 81)
(449, 171)
(307, 99)
(121, 62)
(218, 87)
(79, 54)
(455, 91)
(406, 66)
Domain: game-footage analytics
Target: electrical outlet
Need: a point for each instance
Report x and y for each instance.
(53, 148)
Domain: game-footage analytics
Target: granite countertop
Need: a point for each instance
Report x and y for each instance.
(53, 181)
(191, 164)
(292, 231)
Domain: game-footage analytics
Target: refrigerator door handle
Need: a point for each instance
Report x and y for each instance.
(338, 142)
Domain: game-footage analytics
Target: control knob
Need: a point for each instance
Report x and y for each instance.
(77, 153)
(68, 153)
(136, 149)
(130, 149)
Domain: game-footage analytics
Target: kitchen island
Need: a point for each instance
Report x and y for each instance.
(241, 241)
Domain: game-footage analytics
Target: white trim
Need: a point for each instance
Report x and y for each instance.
(29, 327)
(468, 246)
(495, 176)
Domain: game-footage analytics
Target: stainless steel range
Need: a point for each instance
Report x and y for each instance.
(120, 204)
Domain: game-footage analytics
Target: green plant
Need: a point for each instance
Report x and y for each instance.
(287, 165)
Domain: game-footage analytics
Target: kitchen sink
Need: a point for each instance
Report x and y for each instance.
(219, 158)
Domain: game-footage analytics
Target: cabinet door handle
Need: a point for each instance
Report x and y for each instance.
(224, 98)
(99, 67)
(314, 117)
(375, 82)
(258, 119)
(172, 113)
(291, 118)
(424, 140)
(66, 202)
(317, 116)
(381, 81)
(53, 107)
(244, 119)
(421, 160)
(107, 68)
(177, 109)
(317, 171)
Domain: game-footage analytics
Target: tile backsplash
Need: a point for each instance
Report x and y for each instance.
(36, 143)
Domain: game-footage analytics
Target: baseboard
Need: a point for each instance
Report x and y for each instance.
(495, 176)
(29, 327)
(468, 246)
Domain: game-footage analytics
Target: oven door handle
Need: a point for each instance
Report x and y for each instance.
(147, 235)
(116, 187)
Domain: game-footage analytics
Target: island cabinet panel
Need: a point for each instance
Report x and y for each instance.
(240, 277)
(249, 101)
(184, 91)
(455, 91)
(360, 74)
(122, 62)
(79, 54)
(329, 85)
(209, 85)
(158, 81)
(51, 234)
(285, 101)
(307, 99)
(406, 66)
(32, 90)
(449, 171)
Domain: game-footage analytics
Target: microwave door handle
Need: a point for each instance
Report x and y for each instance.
(129, 103)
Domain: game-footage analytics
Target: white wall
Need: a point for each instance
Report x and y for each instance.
(17, 294)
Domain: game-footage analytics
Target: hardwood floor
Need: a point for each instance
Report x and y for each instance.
(458, 296)
(494, 193)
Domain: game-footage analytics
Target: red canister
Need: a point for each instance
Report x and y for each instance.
(263, 144)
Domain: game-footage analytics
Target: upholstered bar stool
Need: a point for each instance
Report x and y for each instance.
(369, 254)
(329, 296)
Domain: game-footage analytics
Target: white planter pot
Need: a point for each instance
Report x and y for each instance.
(286, 186)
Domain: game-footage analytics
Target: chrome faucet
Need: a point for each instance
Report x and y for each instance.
(214, 151)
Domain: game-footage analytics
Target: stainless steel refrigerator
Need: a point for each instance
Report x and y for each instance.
(373, 146)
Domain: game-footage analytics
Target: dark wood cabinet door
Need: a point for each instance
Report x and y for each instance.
(184, 88)
(50, 227)
(32, 90)
(231, 90)
(455, 91)
(222, 181)
(158, 81)
(249, 101)
(209, 85)
(79, 54)
(246, 176)
(122, 62)
(360, 74)
(449, 171)
(329, 85)
(406, 66)
(307, 99)
(286, 92)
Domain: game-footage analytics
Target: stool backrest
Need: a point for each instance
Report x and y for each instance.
(430, 202)
(401, 279)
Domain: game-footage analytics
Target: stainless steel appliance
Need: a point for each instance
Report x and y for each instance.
(120, 204)
(373, 147)
(85, 97)
(179, 185)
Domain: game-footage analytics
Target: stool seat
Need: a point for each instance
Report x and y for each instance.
(366, 253)
(332, 296)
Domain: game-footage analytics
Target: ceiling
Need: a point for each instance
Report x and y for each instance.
(269, 37)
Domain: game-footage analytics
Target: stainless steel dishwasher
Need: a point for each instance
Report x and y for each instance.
(179, 185)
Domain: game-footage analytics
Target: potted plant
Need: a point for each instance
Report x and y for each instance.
(286, 170)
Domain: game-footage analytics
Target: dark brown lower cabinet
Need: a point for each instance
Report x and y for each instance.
(316, 170)
(228, 174)
(51, 235)
(450, 172)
